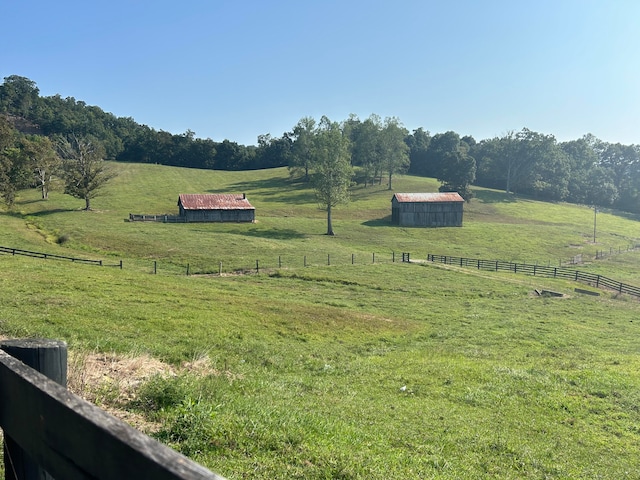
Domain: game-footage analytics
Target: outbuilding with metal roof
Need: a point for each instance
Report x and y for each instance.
(216, 207)
(427, 209)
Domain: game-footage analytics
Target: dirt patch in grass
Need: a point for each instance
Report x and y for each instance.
(111, 381)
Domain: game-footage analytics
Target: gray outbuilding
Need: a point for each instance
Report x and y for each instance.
(216, 207)
(427, 209)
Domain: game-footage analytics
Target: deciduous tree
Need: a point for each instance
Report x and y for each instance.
(85, 171)
(14, 171)
(43, 160)
(394, 151)
(302, 147)
(332, 170)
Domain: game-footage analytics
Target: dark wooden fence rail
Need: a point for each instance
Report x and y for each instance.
(157, 218)
(66, 437)
(592, 279)
(29, 253)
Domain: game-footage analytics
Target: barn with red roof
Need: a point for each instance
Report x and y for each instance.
(427, 209)
(216, 207)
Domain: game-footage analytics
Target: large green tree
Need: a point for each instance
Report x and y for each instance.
(418, 143)
(301, 157)
(84, 169)
(366, 146)
(394, 152)
(18, 96)
(43, 161)
(14, 169)
(332, 170)
(452, 164)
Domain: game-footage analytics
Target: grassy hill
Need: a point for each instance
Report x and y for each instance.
(363, 370)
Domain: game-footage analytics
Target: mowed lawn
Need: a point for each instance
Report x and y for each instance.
(354, 366)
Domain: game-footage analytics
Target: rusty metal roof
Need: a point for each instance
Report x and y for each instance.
(214, 201)
(428, 197)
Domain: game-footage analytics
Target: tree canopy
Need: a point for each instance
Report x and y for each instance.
(586, 170)
(84, 169)
(331, 167)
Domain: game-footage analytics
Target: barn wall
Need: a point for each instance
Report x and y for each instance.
(218, 215)
(427, 214)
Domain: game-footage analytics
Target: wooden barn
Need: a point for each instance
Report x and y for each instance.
(427, 209)
(218, 207)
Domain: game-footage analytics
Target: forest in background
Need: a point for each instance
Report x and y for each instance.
(586, 170)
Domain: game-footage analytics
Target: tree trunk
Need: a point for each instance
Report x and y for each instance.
(390, 180)
(329, 226)
(87, 202)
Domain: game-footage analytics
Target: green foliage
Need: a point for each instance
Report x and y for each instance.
(84, 169)
(18, 95)
(331, 166)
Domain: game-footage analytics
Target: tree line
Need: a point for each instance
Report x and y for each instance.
(587, 170)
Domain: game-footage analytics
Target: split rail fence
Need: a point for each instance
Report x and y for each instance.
(591, 279)
(49, 433)
(29, 253)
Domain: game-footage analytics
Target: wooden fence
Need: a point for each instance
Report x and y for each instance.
(157, 218)
(47, 256)
(51, 433)
(592, 279)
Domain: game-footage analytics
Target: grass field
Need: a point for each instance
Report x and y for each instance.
(363, 370)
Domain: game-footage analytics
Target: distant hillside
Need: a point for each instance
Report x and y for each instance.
(584, 171)
(23, 125)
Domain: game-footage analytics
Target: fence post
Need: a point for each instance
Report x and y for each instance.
(373, 258)
(120, 264)
(305, 260)
(155, 267)
(257, 267)
(279, 261)
(48, 357)
(187, 269)
(328, 259)
(353, 258)
(220, 269)
(393, 257)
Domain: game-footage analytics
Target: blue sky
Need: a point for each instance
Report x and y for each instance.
(237, 69)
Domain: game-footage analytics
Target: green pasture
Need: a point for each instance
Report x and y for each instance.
(354, 369)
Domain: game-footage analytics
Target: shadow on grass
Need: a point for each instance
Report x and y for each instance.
(270, 233)
(275, 189)
(379, 222)
(273, 233)
(43, 213)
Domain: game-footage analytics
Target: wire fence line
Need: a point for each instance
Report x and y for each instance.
(594, 280)
(243, 267)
